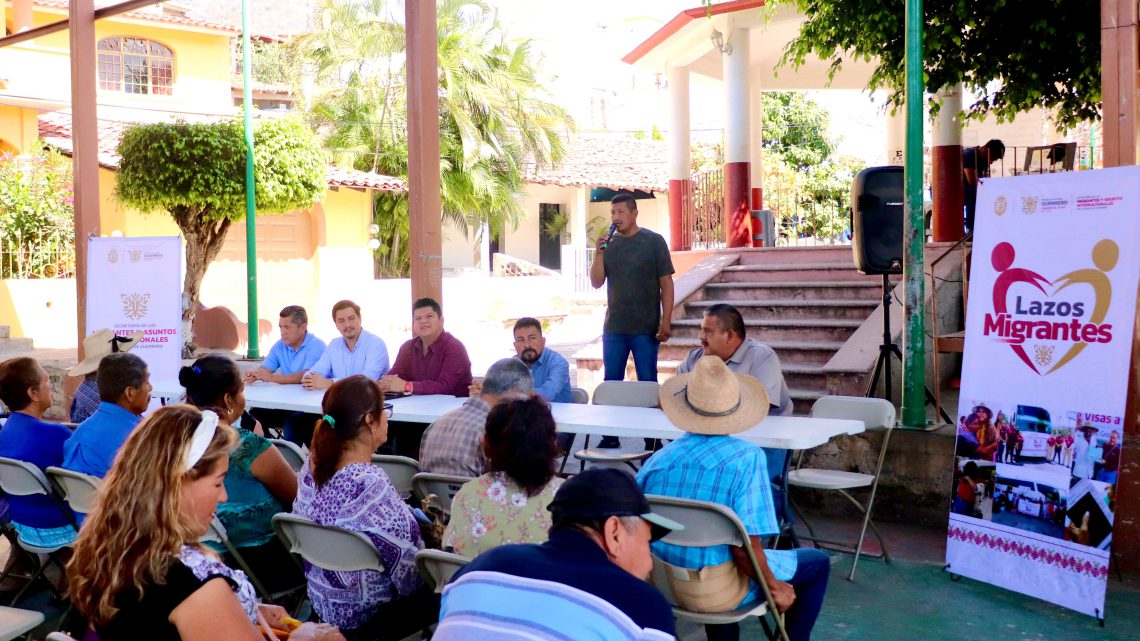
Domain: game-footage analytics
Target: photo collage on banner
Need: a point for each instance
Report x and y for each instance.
(1040, 425)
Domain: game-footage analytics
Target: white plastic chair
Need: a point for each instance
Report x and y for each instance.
(437, 567)
(292, 452)
(327, 547)
(59, 636)
(579, 396)
(400, 470)
(19, 478)
(707, 524)
(622, 394)
(875, 413)
(15, 623)
(78, 489)
(443, 486)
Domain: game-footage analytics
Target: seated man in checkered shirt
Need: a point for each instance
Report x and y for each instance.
(711, 403)
(453, 444)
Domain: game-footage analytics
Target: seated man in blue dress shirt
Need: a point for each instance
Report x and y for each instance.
(124, 393)
(711, 403)
(294, 354)
(356, 351)
(287, 361)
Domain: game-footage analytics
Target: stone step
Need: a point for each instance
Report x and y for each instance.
(789, 352)
(816, 254)
(827, 330)
(803, 399)
(799, 290)
(14, 345)
(790, 309)
(803, 272)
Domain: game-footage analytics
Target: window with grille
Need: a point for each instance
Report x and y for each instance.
(135, 65)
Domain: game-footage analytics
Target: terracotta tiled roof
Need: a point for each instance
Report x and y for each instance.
(149, 16)
(265, 88)
(55, 130)
(606, 161)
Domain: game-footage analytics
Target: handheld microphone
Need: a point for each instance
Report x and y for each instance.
(609, 236)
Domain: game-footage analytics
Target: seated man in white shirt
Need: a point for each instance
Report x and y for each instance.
(357, 351)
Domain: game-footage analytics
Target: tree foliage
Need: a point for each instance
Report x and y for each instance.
(494, 115)
(1015, 54)
(795, 127)
(196, 173)
(37, 213)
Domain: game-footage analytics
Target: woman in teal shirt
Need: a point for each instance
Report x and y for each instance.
(259, 483)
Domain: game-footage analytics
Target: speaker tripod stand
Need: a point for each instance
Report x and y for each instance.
(886, 350)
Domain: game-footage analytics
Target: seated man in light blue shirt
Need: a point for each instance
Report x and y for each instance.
(355, 352)
(124, 393)
(550, 370)
(294, 354)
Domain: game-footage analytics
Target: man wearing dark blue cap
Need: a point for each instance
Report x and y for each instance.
(586, 582)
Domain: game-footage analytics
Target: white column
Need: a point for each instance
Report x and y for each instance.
(896, 137)
(946, 127)
(679, 145)
(579, 215)
(737, 101)
(755, 136)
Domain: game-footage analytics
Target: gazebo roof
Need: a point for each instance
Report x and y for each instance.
(686, 41)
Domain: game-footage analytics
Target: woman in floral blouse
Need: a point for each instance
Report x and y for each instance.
(340, 487)
(509, 503)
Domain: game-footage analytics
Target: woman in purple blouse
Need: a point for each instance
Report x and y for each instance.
(339, 486)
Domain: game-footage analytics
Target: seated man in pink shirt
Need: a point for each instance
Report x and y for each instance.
(433, 362)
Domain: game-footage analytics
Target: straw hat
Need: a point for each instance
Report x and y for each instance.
(711, 399)
(100, 344)
(1086, 427)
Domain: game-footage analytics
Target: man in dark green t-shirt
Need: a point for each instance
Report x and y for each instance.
(638, 272)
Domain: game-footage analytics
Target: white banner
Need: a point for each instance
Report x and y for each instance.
(1049, 327)
(135, 285)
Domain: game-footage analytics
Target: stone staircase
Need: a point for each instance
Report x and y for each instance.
(802, 302)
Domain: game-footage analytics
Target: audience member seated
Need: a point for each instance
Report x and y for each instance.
(259, 483)
(288, 360)
(124, 393)
(26, 390)
(509, 504)
(453, 444)
(357, 351)
(340, 487)
(85, 399)
(434, 362)
(710, 403)
(587, 582)
(138, 571)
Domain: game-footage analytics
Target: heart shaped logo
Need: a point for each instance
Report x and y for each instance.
(1079, 326)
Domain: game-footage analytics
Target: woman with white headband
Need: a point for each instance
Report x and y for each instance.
(139, 571)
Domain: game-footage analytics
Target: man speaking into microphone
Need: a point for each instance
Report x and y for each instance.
(638, 270)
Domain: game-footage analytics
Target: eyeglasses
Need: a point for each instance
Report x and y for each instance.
(388, 409)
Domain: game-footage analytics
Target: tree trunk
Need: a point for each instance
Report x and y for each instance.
(203, 242)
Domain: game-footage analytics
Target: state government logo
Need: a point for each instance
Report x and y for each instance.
(1029, 204)
(113, 256)
(1000, 205)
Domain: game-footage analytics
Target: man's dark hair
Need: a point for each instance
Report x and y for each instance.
(297, 314)
(970, 469)
(728, 317)
(427, 302)
(17, 376)
(344, 304)
(527, 321)
(996, 148)
(117, 372)
(628, 199)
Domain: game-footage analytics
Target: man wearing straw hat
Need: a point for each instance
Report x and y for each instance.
(711, 403)
(1083, 451)
(100, 343)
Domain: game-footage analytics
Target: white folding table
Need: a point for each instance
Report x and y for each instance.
(776, 432)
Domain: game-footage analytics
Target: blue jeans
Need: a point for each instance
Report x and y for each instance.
(1106, 476)
(615, 353)
(813, 568)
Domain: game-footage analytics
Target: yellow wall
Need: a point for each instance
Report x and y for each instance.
(18, 128)
(202, 65)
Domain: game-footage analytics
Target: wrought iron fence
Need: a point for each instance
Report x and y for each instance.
(703, 212)
(801, 219)
(45, 253)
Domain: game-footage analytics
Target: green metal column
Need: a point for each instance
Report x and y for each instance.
(914, 352)
(250, 193)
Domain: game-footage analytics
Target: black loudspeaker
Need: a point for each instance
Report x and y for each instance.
(877, 220)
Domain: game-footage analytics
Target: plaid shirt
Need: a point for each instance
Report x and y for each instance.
(85, 401)
(453, 444)
(723, 470)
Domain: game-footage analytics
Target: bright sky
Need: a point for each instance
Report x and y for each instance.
(582, 44)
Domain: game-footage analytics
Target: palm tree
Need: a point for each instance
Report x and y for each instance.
(494, 117)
